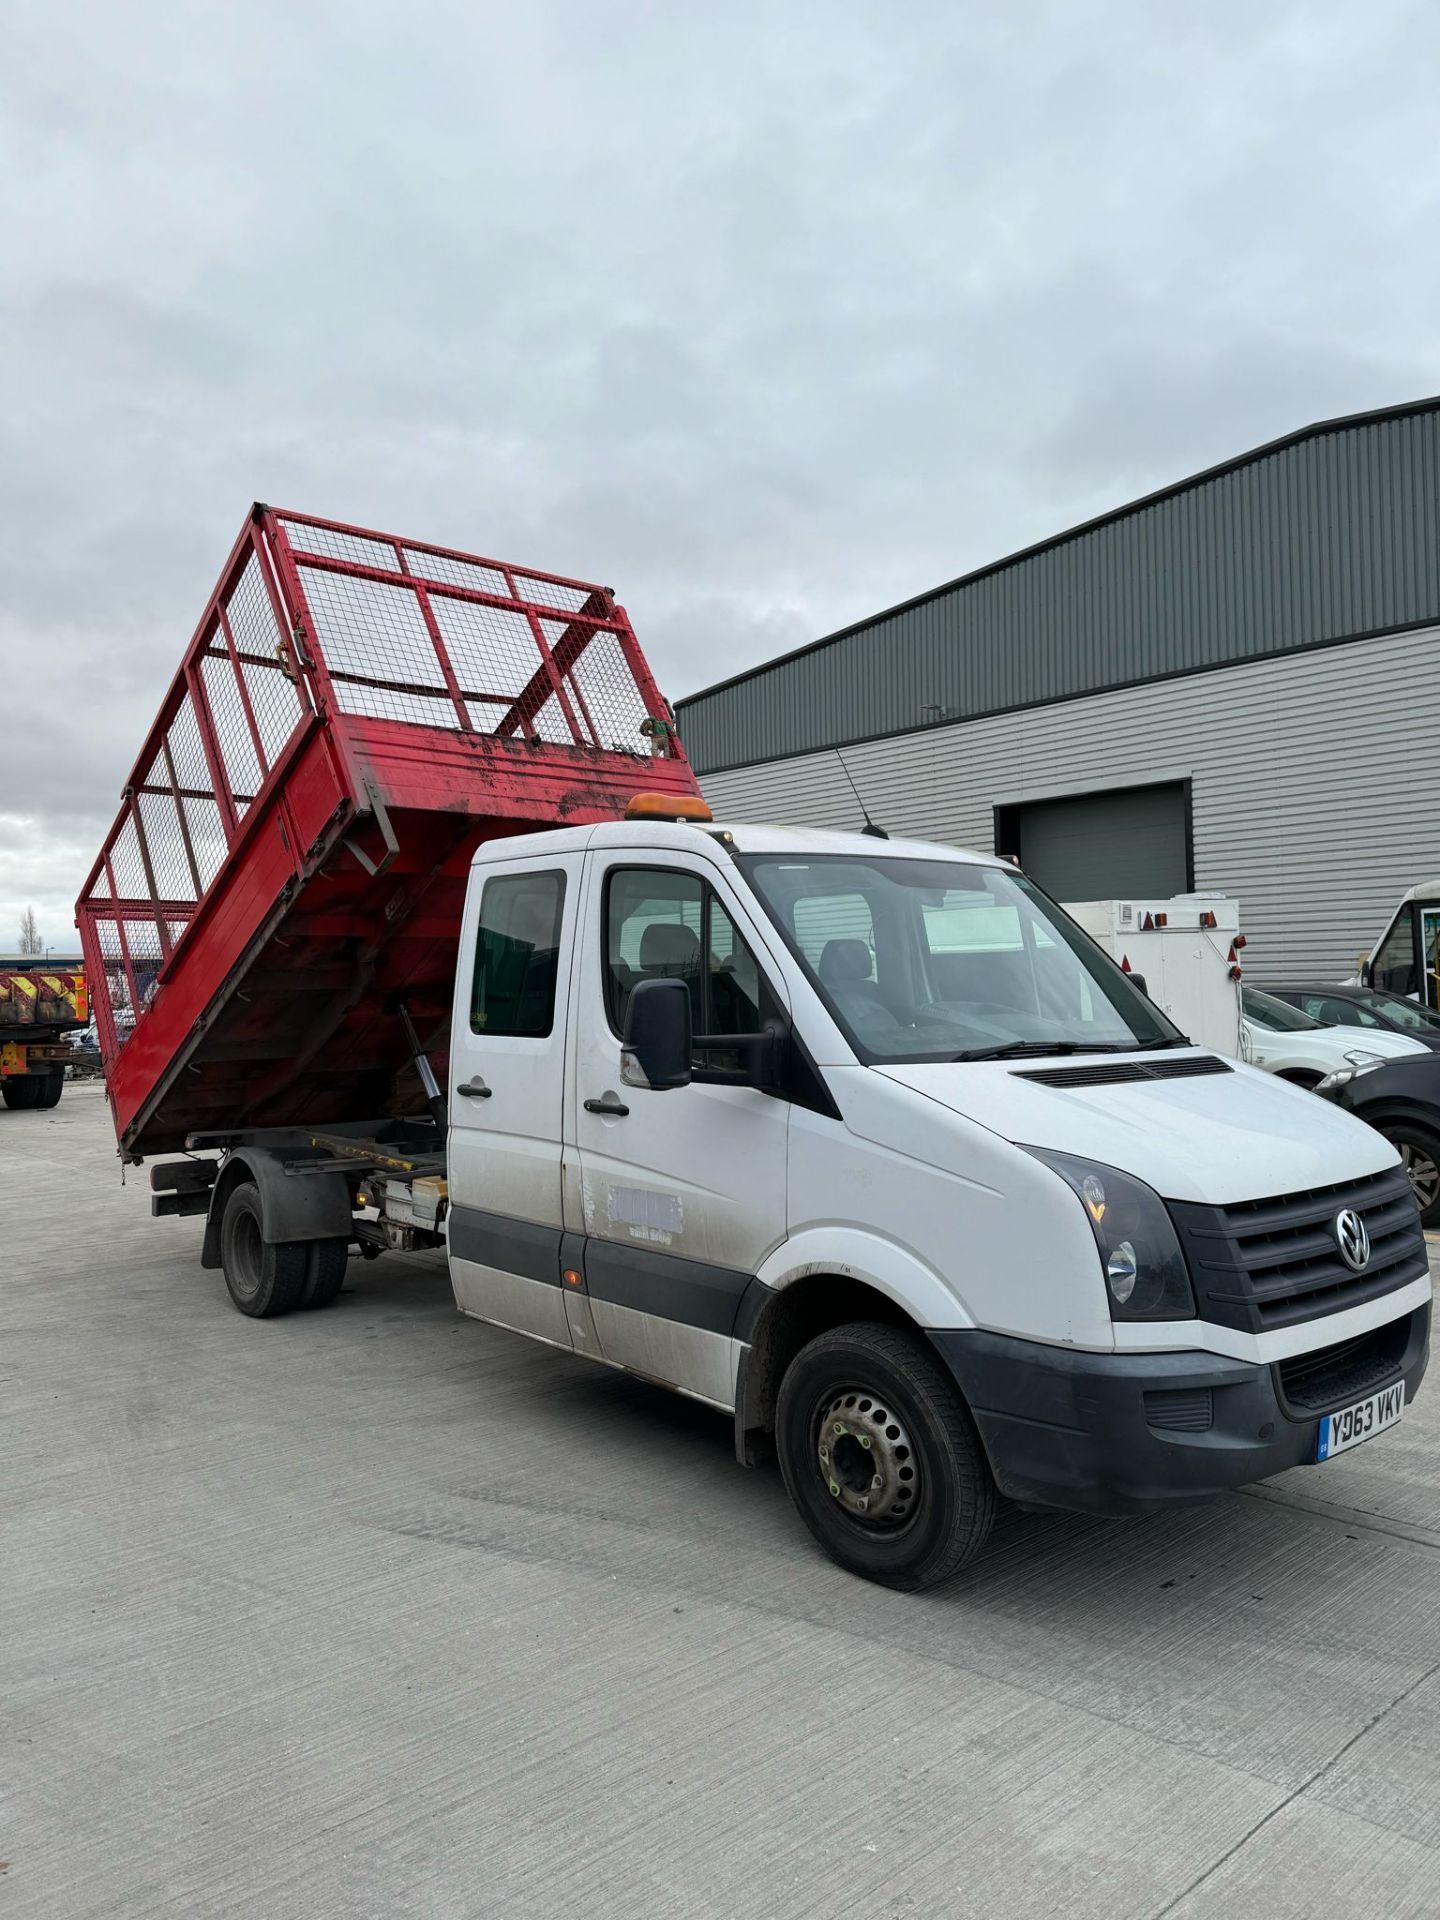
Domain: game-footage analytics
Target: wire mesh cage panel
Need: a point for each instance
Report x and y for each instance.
(319, 625)
(225, 725)
(433, 638)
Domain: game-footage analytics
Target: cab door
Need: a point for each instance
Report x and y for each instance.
(683, 1192)
(507, 1092)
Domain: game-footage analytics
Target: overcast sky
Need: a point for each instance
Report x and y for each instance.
(768, 315)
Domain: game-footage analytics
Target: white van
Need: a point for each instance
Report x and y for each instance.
(867, 1143)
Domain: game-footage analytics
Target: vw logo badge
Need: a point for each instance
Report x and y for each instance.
(1352, 1237)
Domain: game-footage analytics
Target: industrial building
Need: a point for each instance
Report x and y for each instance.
(1230, 685)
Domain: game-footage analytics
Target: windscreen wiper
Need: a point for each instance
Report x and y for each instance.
(1034, 1049)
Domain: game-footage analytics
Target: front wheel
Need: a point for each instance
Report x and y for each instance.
(1419, 1149)
(881, 1457)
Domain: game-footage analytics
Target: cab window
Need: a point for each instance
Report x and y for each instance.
(663, 924)
(517, 953)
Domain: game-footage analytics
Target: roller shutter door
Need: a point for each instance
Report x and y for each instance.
(1107, 846)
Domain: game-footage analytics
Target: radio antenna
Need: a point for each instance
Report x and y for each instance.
(875, 833)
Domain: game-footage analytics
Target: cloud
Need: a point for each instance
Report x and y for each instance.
(768, 317)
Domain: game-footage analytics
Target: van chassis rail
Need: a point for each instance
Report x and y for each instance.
(383, 1180)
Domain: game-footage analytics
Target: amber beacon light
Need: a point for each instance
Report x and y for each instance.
(667, 806)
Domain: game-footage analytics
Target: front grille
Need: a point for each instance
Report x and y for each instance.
(1336, 1376)
(1270, 1263)
(1112, 1072)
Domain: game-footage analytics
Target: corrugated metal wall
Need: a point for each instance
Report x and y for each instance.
(1315, 785)
(1320, 538)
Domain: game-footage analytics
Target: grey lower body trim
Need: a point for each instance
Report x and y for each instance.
(639, 1308)
(690, 1292)
(494, 1240)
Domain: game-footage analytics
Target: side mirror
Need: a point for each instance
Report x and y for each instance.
(656, 1046)
(1138, 980)
(1367, 973)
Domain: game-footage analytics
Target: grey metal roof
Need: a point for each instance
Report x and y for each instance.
(1329, 534)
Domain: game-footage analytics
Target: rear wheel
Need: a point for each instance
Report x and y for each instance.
(22, 1091)
(881, 1457)
(264, 1277)
(325, 1262)
(1419, 1149)
(51, 1088)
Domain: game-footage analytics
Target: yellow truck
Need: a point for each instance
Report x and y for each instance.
(38, 1008)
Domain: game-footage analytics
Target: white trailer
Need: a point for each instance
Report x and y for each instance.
(1186, 953)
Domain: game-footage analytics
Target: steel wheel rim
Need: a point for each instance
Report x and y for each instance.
(1422, 1173)
(866, 1459)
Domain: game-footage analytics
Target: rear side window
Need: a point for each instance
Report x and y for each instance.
(517, 955)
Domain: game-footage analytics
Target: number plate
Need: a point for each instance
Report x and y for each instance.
(1361, 1422)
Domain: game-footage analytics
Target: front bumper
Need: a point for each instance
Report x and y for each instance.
(1126, 1433)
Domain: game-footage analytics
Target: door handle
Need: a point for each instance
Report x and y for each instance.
(475, 1089)
(615, 1108)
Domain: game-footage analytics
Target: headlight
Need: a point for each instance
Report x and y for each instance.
(1362, 1057)
(1342, 1076)
(1145, 1273)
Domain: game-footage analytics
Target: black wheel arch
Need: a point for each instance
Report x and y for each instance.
(300, 1206)
(1400, 1113)
(775, 1323)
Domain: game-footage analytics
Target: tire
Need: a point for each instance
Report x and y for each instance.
(51, 1088)
(1419, 1148)
(265, 1278)
(23, 1092)
(325, 1262)
(1301, 1077)
(937, 1492)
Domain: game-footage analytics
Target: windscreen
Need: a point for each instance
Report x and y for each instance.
(1407, 1014)
(942, 960)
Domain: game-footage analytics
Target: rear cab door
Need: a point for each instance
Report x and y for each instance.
(507, 1091)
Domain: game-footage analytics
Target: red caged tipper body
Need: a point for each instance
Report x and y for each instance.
(355, 713)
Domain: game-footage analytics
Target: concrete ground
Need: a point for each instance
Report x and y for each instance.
(378, 1611)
